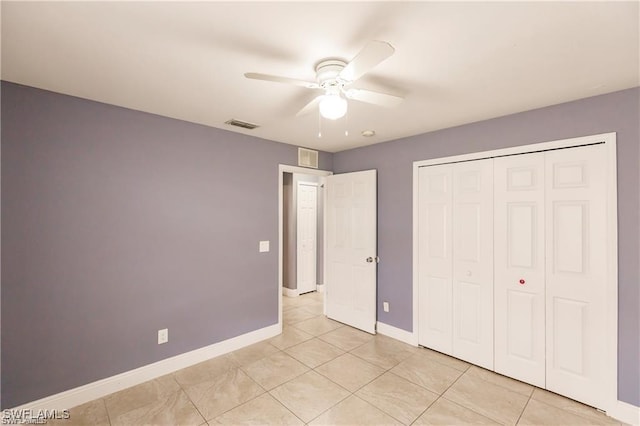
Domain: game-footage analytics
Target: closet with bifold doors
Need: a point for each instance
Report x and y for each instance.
(512, 266)
(456, 262)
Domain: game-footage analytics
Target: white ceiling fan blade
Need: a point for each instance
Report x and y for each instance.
(372, 97)
(370, 56)
(278, 79)
(310, 106)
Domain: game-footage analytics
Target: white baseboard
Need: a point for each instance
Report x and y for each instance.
(290, 292)
(625, 412)
(397, 333)
(82, 394)
(320, 288)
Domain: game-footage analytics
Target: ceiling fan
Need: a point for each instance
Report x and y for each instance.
(335, 76)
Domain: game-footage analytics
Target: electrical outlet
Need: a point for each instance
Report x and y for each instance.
(263, 247)
(163, 336)
(385, 306)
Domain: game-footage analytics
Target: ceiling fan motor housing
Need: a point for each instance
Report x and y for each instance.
(327, 73)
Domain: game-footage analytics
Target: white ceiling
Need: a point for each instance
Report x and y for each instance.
(455, 62)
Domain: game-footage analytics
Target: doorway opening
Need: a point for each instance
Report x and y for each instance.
(302, 239)
(301, 232)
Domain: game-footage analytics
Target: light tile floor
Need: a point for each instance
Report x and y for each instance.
(321, 372)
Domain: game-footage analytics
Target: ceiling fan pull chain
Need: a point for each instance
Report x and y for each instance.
(319, 125)
(346, 119)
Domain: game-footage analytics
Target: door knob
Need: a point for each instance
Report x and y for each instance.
(369, 259)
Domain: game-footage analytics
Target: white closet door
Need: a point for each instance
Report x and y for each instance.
(576, 272)
(307, 224)
(519, 283)
(435, 262)
(473, 262)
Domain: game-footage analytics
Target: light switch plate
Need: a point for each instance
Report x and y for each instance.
(385, 306)
(264, 246)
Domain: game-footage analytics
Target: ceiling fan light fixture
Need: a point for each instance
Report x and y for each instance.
(333, 106)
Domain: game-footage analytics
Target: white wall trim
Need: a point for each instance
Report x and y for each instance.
(320, 288)
(282, 168)
(625, 412)
(397, 333)
(609, 139)
(82, 394)
(290, 292)
(611, 351)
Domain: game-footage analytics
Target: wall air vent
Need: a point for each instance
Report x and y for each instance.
(240, 123)
(307, 158)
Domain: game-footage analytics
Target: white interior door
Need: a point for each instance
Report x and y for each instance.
(473, 262)
(519, 284)
(306, 237)
(351, 205)
(435, 261)
(576, 272)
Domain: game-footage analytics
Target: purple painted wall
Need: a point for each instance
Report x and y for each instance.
(117, 223)
(616, 112)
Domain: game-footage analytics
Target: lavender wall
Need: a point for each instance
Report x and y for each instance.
(116, 223)
(616, 112)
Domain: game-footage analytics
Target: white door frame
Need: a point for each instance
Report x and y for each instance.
(609, 140)
(282, 169)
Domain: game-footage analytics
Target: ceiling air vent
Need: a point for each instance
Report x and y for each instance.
(240, 123)
(307, 158)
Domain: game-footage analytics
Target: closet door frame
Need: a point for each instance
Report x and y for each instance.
(609, 141)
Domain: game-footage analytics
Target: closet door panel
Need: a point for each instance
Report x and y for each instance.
(519, 267)
(473, 262)
(435, 249)
(576, 272)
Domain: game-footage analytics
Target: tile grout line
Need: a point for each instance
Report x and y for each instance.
(574, 413)
(265, 391)
(320, 374)
(351, 393)
(429, 390)
(448, 356)
(104, 403)
(354, 392)
(334, 405)
(470, 408)
(427, 409)
(385, 371)
(189, 397)
(299, 375)
(524, 408)
(237, 367)
(495, 373)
